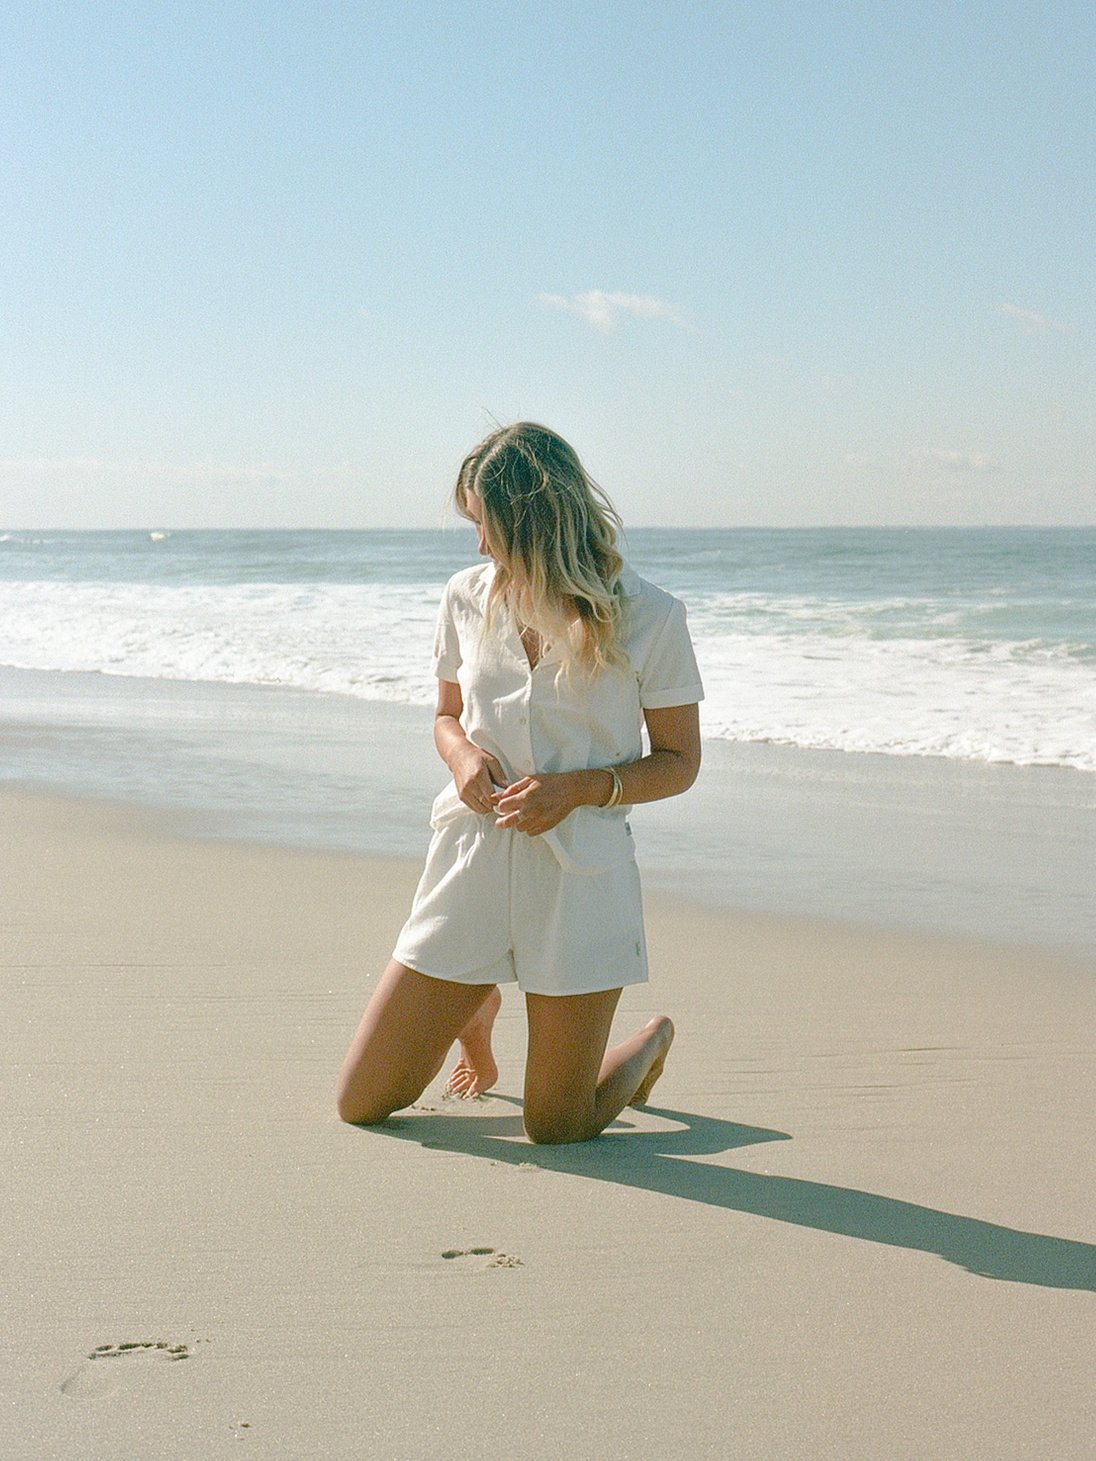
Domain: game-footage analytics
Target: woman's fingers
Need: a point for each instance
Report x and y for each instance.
(525, 811)
(510, 803)
(520, 824)
(508, 793)
(478, 791)
(482, 789)
(532, 805)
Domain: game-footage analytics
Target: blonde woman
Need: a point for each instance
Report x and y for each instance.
(549, 657)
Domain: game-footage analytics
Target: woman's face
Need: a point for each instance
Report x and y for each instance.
(474, 504)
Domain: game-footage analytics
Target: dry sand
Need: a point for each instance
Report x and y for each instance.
(858, 1221)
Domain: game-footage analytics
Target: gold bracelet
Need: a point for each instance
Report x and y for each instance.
(616, 796)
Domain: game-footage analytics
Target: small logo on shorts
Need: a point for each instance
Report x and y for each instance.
(639, 952)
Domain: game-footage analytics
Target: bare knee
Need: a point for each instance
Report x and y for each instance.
(558, 1127)
(367, 1108)
(360, 1113)
(363, 1095)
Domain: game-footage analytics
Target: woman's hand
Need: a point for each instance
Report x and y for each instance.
(475, 775)
(535, 804)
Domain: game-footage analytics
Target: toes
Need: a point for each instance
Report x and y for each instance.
(460, 1079)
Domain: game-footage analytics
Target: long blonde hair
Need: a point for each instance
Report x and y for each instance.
(553, 534)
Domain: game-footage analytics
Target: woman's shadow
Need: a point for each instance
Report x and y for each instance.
(657, 1161)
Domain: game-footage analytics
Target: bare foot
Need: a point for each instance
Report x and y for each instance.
(476, 1071)
(663, 1026)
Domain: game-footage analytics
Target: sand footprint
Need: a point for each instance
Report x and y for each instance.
(98, 1377)
(480, 1259)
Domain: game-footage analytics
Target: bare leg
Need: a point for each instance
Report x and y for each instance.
(476, 1071)
(408, 1026)
(617, 1065)
(573, 1086)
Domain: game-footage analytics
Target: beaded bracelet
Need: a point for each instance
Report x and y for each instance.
(616, 796)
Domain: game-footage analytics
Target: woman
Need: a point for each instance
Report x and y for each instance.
(549, 658)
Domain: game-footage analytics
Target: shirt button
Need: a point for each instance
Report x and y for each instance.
(524, 720)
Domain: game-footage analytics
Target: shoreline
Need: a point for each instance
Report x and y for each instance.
(168, 826)
(991, 852)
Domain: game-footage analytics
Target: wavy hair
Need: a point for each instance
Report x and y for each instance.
(553, 534)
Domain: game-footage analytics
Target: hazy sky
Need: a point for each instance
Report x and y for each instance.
(762, 263)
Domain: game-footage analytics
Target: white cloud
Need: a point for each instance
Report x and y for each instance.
(1035, 323)
(954, 461)
(604, 311)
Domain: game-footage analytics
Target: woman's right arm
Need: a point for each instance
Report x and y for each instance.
(475, 773)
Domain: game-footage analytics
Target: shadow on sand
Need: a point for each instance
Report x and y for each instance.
(657, 1161)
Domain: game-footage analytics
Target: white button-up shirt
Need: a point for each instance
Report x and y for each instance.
(540, 720)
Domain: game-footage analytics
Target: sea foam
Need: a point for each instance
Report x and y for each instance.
(896, 676)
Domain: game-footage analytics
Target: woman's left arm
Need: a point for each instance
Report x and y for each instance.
(537, 803)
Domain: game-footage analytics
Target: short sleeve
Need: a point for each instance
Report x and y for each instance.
(669, 673)
(447, 657)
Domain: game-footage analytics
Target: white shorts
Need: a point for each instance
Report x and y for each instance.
(494, 906)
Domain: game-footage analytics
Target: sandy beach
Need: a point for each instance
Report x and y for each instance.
(694, 401)
(857, 1221)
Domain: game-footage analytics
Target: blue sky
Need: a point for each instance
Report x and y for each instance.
(763, 264)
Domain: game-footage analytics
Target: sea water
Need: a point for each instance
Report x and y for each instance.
(972, 644)
(900, 724)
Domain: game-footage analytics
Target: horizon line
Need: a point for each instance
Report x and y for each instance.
(160, 527)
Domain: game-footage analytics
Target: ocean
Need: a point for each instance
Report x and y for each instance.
(978, 645)
(900, 724)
